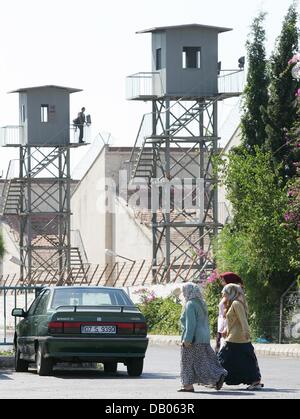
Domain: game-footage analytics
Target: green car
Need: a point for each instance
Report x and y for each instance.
(81, 324)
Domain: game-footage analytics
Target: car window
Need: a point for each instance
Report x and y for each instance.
(35, 304)
(42, 305)
(89, 297)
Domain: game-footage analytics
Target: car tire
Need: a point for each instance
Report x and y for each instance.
(110, 367)
(135, 367)
(44, 366)
(20, 364)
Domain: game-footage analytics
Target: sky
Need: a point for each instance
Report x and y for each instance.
(93, 45)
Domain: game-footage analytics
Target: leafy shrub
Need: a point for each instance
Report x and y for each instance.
(162, 316)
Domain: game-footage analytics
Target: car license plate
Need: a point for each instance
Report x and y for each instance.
(109, 330)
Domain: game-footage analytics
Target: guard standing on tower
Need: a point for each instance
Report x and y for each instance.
(79, 123)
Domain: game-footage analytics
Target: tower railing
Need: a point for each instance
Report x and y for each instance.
(231, 81)
(147, 84)
(144, 84)
(13, 135)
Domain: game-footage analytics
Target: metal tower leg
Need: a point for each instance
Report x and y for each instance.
(45, 236)
(185, 137)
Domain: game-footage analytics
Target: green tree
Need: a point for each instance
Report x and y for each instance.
(257, 245)
(281, 112)
(256, 91)
(292, 216)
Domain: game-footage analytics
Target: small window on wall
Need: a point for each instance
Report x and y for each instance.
(23, 114)
(44, 113)
(158, 59)
(191, 57)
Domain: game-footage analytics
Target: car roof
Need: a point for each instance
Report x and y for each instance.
(82, 288)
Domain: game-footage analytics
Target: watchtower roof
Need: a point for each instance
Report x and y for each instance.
(26, 89)
(190, 26)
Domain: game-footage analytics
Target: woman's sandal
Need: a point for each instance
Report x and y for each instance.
(220, 383)
(184, 390)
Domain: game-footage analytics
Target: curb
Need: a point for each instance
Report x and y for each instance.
(289, 351)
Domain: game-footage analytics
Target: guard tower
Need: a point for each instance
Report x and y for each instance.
(36, 194)
(177, 141)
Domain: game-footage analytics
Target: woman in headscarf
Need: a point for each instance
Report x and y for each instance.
(226, 278)
(237, 355)
(199, 363)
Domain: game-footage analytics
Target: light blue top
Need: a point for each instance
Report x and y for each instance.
(194, 323)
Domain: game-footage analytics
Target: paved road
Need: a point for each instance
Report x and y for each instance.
(159, 381)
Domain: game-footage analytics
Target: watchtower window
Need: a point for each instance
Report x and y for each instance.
(191, 57)
(158, 59)
(44, 113)
(23, 114)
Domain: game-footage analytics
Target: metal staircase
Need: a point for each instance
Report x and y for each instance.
(146, 151)
(13, 188)
(78, 270)
(11, 197)
(46, 161)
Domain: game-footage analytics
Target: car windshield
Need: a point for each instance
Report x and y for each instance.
(89, 297)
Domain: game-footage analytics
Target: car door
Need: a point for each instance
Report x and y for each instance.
(29, 334)
(40, 316)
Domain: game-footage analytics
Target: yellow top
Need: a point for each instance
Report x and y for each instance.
(237, 324)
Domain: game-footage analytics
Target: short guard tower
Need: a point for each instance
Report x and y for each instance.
(36, 194)
(177, 141)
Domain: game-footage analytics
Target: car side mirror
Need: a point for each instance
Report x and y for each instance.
(19, 312)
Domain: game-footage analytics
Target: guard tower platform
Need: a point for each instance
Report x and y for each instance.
(44, 119)
(185, 66)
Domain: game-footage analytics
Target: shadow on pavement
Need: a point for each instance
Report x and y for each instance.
(4, 375)
(68, 374)
(280, 390)
(224, 393)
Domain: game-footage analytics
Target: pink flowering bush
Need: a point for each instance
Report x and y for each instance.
(295, 59)
(213, 277)
(162, 314)
(146, 296)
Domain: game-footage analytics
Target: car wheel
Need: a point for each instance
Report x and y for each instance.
(44, 366)
(20, 364)
(110, 367)
(135, 367)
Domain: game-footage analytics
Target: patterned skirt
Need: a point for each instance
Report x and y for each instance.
(199, 364)
(240, 361)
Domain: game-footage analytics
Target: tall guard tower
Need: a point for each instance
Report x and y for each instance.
(177, 141)
(36, 195)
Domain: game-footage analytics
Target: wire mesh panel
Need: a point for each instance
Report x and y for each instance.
(290, 317)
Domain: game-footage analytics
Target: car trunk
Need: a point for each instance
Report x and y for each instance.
(102, 321)
(97, 333)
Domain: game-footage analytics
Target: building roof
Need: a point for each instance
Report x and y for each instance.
(190, 26)
(26, 89)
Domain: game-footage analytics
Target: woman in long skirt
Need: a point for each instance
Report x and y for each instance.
(237, 355)
(199, 363)
(226, 278)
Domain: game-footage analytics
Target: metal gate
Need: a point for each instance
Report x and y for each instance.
(10, 298)
(290, 315)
